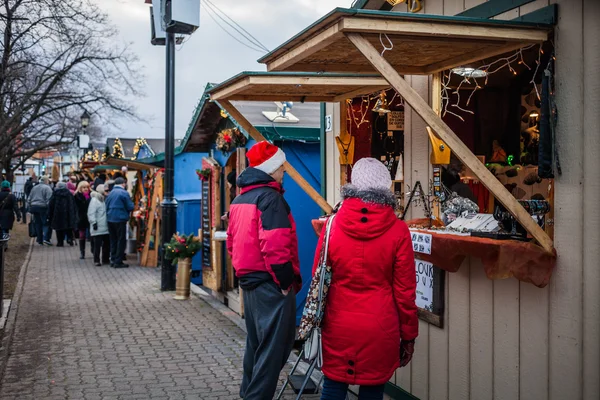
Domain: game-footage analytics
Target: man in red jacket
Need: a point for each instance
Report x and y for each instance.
(262, 243)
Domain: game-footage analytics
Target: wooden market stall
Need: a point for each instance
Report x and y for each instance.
(492, 332)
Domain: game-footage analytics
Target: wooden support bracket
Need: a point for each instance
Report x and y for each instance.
(291, 171)
(449, 137)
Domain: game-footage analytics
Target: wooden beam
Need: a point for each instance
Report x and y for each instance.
(279, 97)
(360, 91)
(450, 138)
(478, 55)
(291, 171)
(228, 91)
(429, 28)
(305, 49)
(356, 68)
(318, 80)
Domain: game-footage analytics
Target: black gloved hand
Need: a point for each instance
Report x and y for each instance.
(95, 226)
(407, 348)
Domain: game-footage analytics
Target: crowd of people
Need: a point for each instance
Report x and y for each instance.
(78, 209)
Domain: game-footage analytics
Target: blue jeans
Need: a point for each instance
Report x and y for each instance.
(40, 215)
(333, 390)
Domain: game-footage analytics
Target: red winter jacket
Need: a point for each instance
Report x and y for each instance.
(371, 301)
(261, 237)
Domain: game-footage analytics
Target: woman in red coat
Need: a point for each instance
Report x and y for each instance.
(370, 321)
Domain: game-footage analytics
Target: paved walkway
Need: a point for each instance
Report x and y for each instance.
(85, 332)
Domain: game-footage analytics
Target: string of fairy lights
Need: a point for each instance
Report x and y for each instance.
(470, 76)
(473, 76)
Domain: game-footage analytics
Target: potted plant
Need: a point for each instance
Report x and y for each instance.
(180, 251)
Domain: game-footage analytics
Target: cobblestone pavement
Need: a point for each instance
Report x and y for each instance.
(85, 332)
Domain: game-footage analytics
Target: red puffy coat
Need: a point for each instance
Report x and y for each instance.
(371, 301)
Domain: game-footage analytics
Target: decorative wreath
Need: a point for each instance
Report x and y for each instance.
(203, 174)
(229, 139)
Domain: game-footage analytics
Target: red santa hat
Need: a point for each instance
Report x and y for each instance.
(266, 157)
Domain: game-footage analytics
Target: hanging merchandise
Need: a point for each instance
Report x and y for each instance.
(389, 157)
(440, 152)
(422, 197)
(381, 106)
(400, 169)
(547, 153)
(346, 149)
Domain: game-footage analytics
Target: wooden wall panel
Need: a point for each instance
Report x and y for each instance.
(439, 355)
(535, 5)
(459, 333)
(506, 339)
(482, 332)
(438, 338)
(533, 349)
(507, 16)
(434, 7)
(332, 161)
(403, 377)
(420, 363)
(408, 157)
(419, 147)
(591, 194)
(565, 341)
(453, 7)
(472, 3)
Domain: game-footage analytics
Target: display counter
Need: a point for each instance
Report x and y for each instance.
(501, 259)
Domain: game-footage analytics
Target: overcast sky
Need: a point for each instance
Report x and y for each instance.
(209, 55)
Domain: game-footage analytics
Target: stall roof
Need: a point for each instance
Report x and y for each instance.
(131, 164)
(421, 43)
(207, 115)
(296, 86)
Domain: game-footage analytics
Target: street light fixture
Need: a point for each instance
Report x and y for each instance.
(85, 119)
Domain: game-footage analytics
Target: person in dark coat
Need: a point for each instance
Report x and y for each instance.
(31, 182)
(118, 211)
(62, 213)
(100, 180)
(9, 208)
(82, 202)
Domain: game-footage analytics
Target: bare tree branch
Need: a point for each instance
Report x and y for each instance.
(58, 57)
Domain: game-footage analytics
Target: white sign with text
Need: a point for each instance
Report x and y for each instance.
(424, 272)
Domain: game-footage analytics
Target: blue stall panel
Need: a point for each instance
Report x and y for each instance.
(187, 193)
(306, 159)
(188, 222)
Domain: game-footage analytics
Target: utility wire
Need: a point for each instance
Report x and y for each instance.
(209, 12)
(247, 35)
